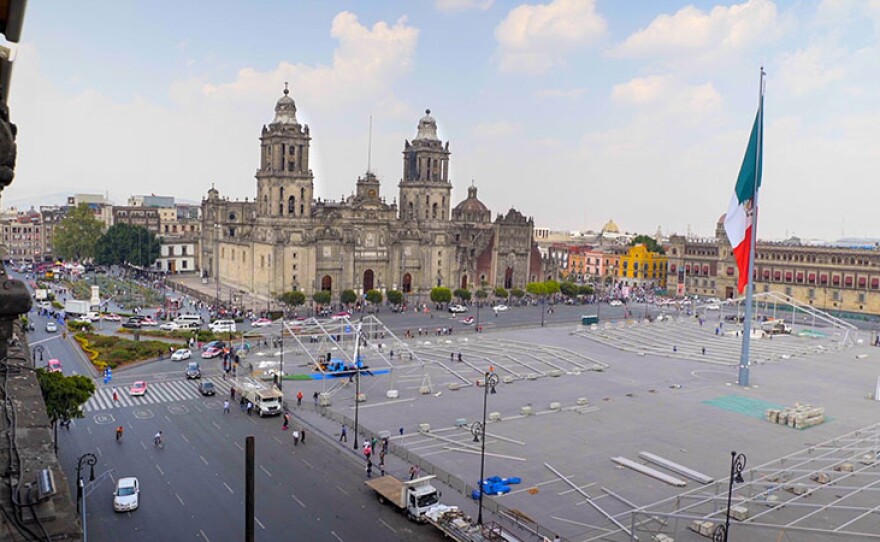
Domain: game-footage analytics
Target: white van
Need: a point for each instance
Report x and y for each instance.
(188, 321)
(223, 326)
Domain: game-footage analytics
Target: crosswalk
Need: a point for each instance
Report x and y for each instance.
(157, 392)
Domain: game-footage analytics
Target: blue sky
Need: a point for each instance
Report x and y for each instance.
(572, 111)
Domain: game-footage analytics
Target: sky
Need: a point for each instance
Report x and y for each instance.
(574, 112)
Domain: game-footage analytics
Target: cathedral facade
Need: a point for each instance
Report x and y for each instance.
(285, 239)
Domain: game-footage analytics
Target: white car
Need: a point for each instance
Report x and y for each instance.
(181, 354)
(125, 496)
(51, 327)
(616, 303)
(169, 326)
(713, 307)
(500, 308)
(457, 309)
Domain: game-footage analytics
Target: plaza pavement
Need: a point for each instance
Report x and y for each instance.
(651, 402)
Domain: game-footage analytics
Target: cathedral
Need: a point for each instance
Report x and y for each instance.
(285, 239)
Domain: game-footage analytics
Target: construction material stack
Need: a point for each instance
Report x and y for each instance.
(800, 416)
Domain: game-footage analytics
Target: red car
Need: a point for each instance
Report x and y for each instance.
(147, 321)
(54, 366)
(211, 352)
(112, 317)
(340, 315)
(261, 322)
(138, 389)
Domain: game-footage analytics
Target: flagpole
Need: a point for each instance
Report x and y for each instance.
(743, 379)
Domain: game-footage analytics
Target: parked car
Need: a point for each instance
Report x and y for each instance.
(616, 303)
(126, 495)
(214, 344)
(193, 370)
(340, 315)
(51, 327)
(54, 366)
(138, 389)
(181, 354)
(169, 326)
(212, 352)
(261, 322)
(468, 320)
(112, 317)
(456, 309)
(147, 321)
(713, 307)
(206, 388)
(500, 308)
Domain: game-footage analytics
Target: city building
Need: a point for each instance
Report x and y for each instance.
(287, 239)
(152, 200)
(23, 237)
(146, 217)
(639, 267)
(838, 279)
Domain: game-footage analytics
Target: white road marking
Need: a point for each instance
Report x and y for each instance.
(98, 450)
(179, 499)
(160, 470)
(342, 490)
(307, 463)
(228, 488)
(336, 536)
(216, 425)
(262, 468)
(205, 461)
(297, 500)
(390, 528)
(184, 437)
(204, 536)
(260, 523)
(144, 446)
(238, 445)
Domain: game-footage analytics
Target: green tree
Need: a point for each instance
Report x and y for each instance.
(501, 292)
(586, 289)
(321, 298)
(294, 298)
(348, 297)
(517, 293)
(124, 244)
(536, 288)
(462, 294)
(77, 234)
(441, 294)
(569, 288)
(551, 287)
(395, 297)
(481, 294)
(374, 296)
(650, 243)
(64, 395)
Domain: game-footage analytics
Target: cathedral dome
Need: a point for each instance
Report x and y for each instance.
(285, 109)
(427, 128)
(610, 227)
(471, 204)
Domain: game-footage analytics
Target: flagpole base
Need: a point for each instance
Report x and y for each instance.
(743, 376)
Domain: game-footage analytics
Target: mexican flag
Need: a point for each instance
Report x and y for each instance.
(742, 211)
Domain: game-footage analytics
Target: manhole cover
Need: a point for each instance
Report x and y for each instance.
(213, 403)
(143, 414)
(104, 418)
(177, 409)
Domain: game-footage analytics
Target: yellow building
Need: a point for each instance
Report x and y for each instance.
(641, 267)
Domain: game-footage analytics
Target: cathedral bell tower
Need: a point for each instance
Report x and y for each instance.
(425, 189)
(284, 180)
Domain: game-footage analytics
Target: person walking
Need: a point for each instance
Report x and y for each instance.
(225, 407)
(343, 437)
(302, 435)
(232, 393)
(250, 407)
(299, 398)
(295, 437)
(382, 467)
(115, 396)
(369, 468)
(704, 350)
(286, 422)
(315, 397)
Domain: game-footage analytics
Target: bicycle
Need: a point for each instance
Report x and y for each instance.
(157, 440)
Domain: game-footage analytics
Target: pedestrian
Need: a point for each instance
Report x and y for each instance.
(115, 397)
(385, 445)
(295, 437)
(299, 398)
(414, 472)
(459, 357)
(286, 423)
(315, 397)
(302, 435)
(225, 407)
(704, 350)
(674, 348)
(250, 407)
(373, 442)
(232, 393)
(451, 356)
(343, 437)
(382, 467)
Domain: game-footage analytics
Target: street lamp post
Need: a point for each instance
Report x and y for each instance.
(490, 380)
(357, 381)
(39, 349)
(90, 460)
(281, 369)
(737, 465)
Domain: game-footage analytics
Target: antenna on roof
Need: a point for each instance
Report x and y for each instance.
(370, 146)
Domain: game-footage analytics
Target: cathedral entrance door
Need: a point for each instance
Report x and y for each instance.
(368, 280)
(407, 283)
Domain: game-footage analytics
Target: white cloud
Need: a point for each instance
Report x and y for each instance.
(691, 31)
(535, 38)
(668, 93)
(501, 128)
(810, 69)
(209, 131)
(561, 93)
(454, 6)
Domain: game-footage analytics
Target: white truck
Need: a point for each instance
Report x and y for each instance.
(266, 399)
(77, 307)
(413, 497)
